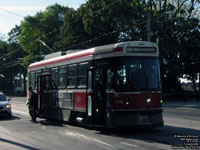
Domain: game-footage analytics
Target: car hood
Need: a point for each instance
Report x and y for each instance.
(2, 103)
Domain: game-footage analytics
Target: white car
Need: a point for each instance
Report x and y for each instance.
(5, 106)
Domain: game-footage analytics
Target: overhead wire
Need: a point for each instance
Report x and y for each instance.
(55, 30)
(10, 12)
(98, 11)
(9, 17)
(93, 39)
(113, 32)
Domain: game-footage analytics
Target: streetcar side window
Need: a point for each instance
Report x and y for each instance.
(82, 75)
(55, 76)
(62, 77)
(38, 73)
(72, 76)
(32, 82)
(29, 79)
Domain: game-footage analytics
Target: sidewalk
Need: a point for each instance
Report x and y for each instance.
(182, 103)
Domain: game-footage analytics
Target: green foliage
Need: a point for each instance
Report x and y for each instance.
(175, 27)
(14, 34)
(3, 47)
(39, 27)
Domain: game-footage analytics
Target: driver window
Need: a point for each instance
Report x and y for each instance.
(122, 76)
(110, 75)
(99, 79)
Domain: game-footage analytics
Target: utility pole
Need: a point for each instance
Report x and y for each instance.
(148, 26)
(148, 22)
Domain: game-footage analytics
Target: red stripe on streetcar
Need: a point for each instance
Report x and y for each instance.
(60, 60)
(73, 57)
(79, 100)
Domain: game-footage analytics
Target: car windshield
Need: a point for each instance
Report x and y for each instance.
(2, 97)
(137, 74)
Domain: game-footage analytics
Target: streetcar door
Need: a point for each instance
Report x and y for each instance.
(38, 93)
(99, 96)
(43, 86)
(96, 95)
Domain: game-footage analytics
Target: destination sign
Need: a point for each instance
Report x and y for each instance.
(141, 49)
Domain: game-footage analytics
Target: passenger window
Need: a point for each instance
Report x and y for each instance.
(82, 74)
(55, 76)
(72, 76)
(62, 77)
(38, 73)
(33, 80)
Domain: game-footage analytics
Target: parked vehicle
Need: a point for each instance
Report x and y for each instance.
(5, 106)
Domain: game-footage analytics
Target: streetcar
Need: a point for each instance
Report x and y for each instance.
(113, 86)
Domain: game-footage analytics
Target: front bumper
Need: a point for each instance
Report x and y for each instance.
(138, 118)
(5, 111)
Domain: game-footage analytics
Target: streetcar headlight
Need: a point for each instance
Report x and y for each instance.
(127, 101)
(161, 101)
(149, 100)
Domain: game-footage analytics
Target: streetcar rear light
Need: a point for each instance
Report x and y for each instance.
(118, 49)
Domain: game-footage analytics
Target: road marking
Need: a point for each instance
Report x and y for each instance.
(70, 133)
(21, 112)
(18, 107)
(128, 144)
(43, 127)
(101, 142)
(75, 134)
(83, 136)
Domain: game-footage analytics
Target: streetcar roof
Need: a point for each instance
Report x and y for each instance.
(96, 51)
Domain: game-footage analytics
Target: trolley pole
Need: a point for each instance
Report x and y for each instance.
(44, 44)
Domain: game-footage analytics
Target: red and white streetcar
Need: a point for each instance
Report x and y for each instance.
(114, 86)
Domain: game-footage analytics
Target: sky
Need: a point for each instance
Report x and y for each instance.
(12, 12)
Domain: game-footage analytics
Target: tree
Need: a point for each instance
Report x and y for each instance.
(14, 34)
(103, 22)
(173, 26)
(43, 26)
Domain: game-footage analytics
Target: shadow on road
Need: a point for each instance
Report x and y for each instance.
(167, 135)
(51, 122)
(18, 144)
(9, 118)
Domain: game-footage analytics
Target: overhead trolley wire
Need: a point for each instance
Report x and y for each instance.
(10, 12)
(98, 11)
(107, 34)
(55, 30)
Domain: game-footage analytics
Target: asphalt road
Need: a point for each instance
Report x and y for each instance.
(182, 128)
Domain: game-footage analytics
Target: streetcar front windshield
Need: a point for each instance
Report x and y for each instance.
(137, 74)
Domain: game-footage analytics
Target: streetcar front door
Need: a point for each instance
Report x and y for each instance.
(99, 96)
(96, 96)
